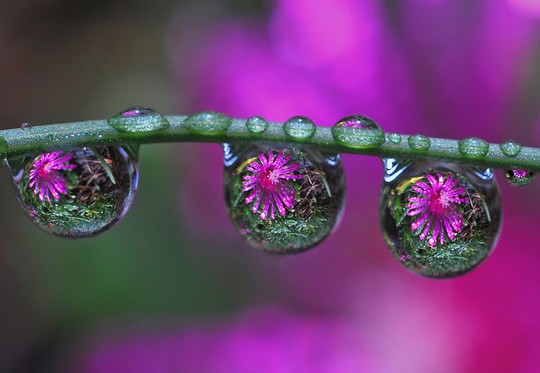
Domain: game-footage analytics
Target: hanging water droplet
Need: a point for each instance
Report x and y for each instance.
(518, 177)
(510, 148)
(283, 199)
(76, 193)
(299, 127)
(26, 125)
(139, 119)
(256, 124)
(395, 138)
(208, 123)
(358, 131)
(439, 220)
(473, 147)
(419, 142)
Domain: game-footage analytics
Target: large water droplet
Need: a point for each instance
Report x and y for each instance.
(283, 199)
(256, 124)
(139, 119)
(439, 220)
(299, 127)
(77, 193)
(510, 148)
(518, 177)
(419, 142)
(208, 123)
(358, 131)
(473, 147)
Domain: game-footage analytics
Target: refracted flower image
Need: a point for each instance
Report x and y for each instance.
(283, 200)
(76, 193)
(439, 220)
(45, 177)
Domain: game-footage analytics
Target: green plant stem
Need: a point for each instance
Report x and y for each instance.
(38, 139)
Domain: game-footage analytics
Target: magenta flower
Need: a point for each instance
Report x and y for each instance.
(436, 204)
(45, 178)
(268, 182)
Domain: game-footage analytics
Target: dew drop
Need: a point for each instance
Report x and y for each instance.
(419, 142)
(26, 126)
(256, 124)
(473, 147)
(208, 123)
(518, 177)
(139, 119)
(76, 193)
(439, 220)
(395, 138)
(358, 131)
(282, 199)
(299, 127)
(510, 148)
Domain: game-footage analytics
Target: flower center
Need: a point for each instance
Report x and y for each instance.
(269, 179)
(438, 202)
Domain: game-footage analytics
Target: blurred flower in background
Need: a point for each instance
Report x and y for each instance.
(442, 68)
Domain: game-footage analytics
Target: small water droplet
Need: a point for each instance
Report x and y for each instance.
(139, 119)
(419, 142)
(358, 131)
(473, 147)
(281, 199)
(299, 127)
(518, 177)
(208, 123)
(439, 220)
(510, 148)
(394, 138)
(256, 124)
(76, 193)
(26, 126)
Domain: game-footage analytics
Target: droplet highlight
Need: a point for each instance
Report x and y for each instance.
(357, 131)
(76, 193)
(299, 127)
(208, 123)
(510, 148)
(439, 220)
(281, 199)
(139, 119)
(519, 177)
(26, 126)
(419, 142)
(256, 124)
(473, 147)
(394, 138)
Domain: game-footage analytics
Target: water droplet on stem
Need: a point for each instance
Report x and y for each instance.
(510, 148)
(357, 131)
(473, 147)
(256, 124)
(299, 127)
(139, 119)
(208, 123)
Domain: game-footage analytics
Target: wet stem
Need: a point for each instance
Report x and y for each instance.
(20, 142)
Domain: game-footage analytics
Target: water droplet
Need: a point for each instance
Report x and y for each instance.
(394, 138)
(208, 123)
(76, 193)
(473, 147)
(518, 177)
(256, 124)
(282, 199)
(419, 142)
(358, 131)
(299, 127)
(510, 148)
(139, 119)
(439, 220)
(26, 126)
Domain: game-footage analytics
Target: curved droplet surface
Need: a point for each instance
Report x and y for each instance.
(473, 147)
(439, 220)
(256, 124)
(358, 131)
(419, 142)
(299, 127)
(79, 192)
(518, 177)
(208, 123)
(510, 148)
(395, 138)
(282, 199)
(139, 119)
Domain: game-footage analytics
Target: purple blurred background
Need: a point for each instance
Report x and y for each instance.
(173, 288)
